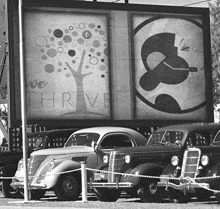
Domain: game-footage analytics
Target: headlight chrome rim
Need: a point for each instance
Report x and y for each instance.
(175, 160)
(204, 160)
(105, 159)
(20, 164)
(51, 165)
(127, 159)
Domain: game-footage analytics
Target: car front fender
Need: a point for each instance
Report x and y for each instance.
(146, 169)
(63, 167)
(169, 170)
(8, 170)
(214, 172)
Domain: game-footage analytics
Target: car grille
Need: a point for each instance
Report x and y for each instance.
(190, 162)
(115, 164)
(34, 164)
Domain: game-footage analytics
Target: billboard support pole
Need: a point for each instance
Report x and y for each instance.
(23, 102)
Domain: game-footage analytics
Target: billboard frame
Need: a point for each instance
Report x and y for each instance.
(96, 6)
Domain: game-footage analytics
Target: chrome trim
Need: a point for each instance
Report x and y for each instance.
(115, 163)
(20, 184)
(190, 163)
(111, 185)
(184, 187)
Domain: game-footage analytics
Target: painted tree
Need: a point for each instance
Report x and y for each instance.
(81, 50)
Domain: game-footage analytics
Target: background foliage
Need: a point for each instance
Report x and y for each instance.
(215, 46)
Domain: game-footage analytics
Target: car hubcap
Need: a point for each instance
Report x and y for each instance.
(152, 188)
(68, 186)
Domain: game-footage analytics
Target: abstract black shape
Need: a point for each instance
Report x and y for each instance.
(171, 70)
(167, 103)
(150, 81)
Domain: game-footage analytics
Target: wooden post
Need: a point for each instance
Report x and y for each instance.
(23, 102)
(84, 181)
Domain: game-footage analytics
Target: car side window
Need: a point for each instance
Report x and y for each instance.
(199, 139)
(115, 140)
(217, 138)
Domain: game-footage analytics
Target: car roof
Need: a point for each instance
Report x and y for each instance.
(102, 130)
(187, 127)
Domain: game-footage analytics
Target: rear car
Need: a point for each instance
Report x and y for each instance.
(195, 173)
(137, 170)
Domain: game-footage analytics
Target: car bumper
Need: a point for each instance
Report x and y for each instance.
(20, 185)
(190, 186)
(110, 185)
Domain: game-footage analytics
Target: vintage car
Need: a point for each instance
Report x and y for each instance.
(137, 170)
(196, 172)
(59, 169)
(37, 140)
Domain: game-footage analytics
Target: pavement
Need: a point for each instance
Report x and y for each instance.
(28, 205)
(31, 207)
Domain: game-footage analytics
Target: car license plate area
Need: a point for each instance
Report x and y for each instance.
(164, 179)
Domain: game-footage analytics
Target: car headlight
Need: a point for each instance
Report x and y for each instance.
(20, 164)
(105, 159)
(174, 160)
(204, 160)
(51, 165)
(127, 159)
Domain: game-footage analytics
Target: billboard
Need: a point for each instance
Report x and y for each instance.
(104, 63)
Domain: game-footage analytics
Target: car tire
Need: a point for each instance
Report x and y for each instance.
(177, 197)
(148, 192)
(33, 194)
(203, 196)
(217, 197)
(132, 193)
(8, 191)
(107, 195)
(68, 187)
(37, 194)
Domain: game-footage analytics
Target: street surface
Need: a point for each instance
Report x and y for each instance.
(50, 201)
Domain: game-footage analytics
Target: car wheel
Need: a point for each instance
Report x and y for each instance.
(33, 194)
(37, 194)
(8, 191)
(148, 192)
(107, 195)
(132, 193)
(68, 187)
(217, 197)
(203, 196)
(177, 197)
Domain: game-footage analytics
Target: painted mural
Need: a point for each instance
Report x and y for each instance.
(169, 67)
(67, 68)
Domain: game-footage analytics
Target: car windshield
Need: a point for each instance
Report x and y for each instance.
(82, 139)
(156, 137)
(162, 137)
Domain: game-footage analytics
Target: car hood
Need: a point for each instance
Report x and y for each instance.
(63, 151)
(159, 148)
